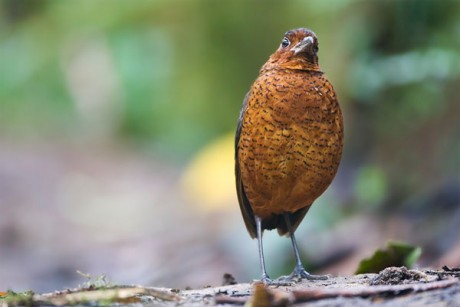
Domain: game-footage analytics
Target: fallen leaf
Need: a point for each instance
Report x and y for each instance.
(395, 254)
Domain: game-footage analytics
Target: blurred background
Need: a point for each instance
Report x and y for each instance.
(116, 137)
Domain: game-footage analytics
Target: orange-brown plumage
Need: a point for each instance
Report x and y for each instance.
(289, 137)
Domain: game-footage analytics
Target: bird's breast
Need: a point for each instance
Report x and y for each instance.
(291, 141)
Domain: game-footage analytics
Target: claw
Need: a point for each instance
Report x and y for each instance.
(300, 273)
(266, 280)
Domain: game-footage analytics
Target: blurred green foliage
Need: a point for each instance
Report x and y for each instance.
(370, 187)
(394, 254)
(171, 75)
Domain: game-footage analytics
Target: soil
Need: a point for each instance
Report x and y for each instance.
(395, 286)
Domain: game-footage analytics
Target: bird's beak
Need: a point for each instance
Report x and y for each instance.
(303, 45)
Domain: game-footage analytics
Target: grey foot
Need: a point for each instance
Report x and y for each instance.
(266, 280)
(300, 273)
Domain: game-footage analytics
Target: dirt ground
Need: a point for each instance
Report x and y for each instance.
(395, 286)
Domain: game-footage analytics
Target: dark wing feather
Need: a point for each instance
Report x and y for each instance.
(246, 210)
(295, 218)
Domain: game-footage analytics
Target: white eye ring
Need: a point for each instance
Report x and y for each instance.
(285, 42)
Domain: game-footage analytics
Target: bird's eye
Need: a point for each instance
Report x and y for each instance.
(285, 42)
(315, 49)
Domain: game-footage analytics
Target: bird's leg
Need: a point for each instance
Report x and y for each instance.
(265, 279)
(299, 271)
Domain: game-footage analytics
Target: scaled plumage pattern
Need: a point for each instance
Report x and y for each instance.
(289, 140)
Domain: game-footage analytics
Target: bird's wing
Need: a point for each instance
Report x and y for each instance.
(246, 210)
(295, 218)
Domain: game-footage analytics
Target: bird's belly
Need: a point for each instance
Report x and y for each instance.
(290, 167)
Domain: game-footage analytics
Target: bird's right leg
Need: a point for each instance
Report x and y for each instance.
(299, 271)
(265, 279)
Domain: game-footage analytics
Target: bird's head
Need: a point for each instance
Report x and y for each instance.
(298, 50)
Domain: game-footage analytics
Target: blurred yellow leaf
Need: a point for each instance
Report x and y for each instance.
(209, 179)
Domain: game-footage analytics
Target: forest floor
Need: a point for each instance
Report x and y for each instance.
(395, 286)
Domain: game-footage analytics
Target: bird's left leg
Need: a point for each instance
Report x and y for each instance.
(265, 278)
(299, 271)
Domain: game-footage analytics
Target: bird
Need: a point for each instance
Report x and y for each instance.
(288, 143)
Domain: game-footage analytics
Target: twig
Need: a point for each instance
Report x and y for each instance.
(366, 291)
(120, 294)
(227, 299)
